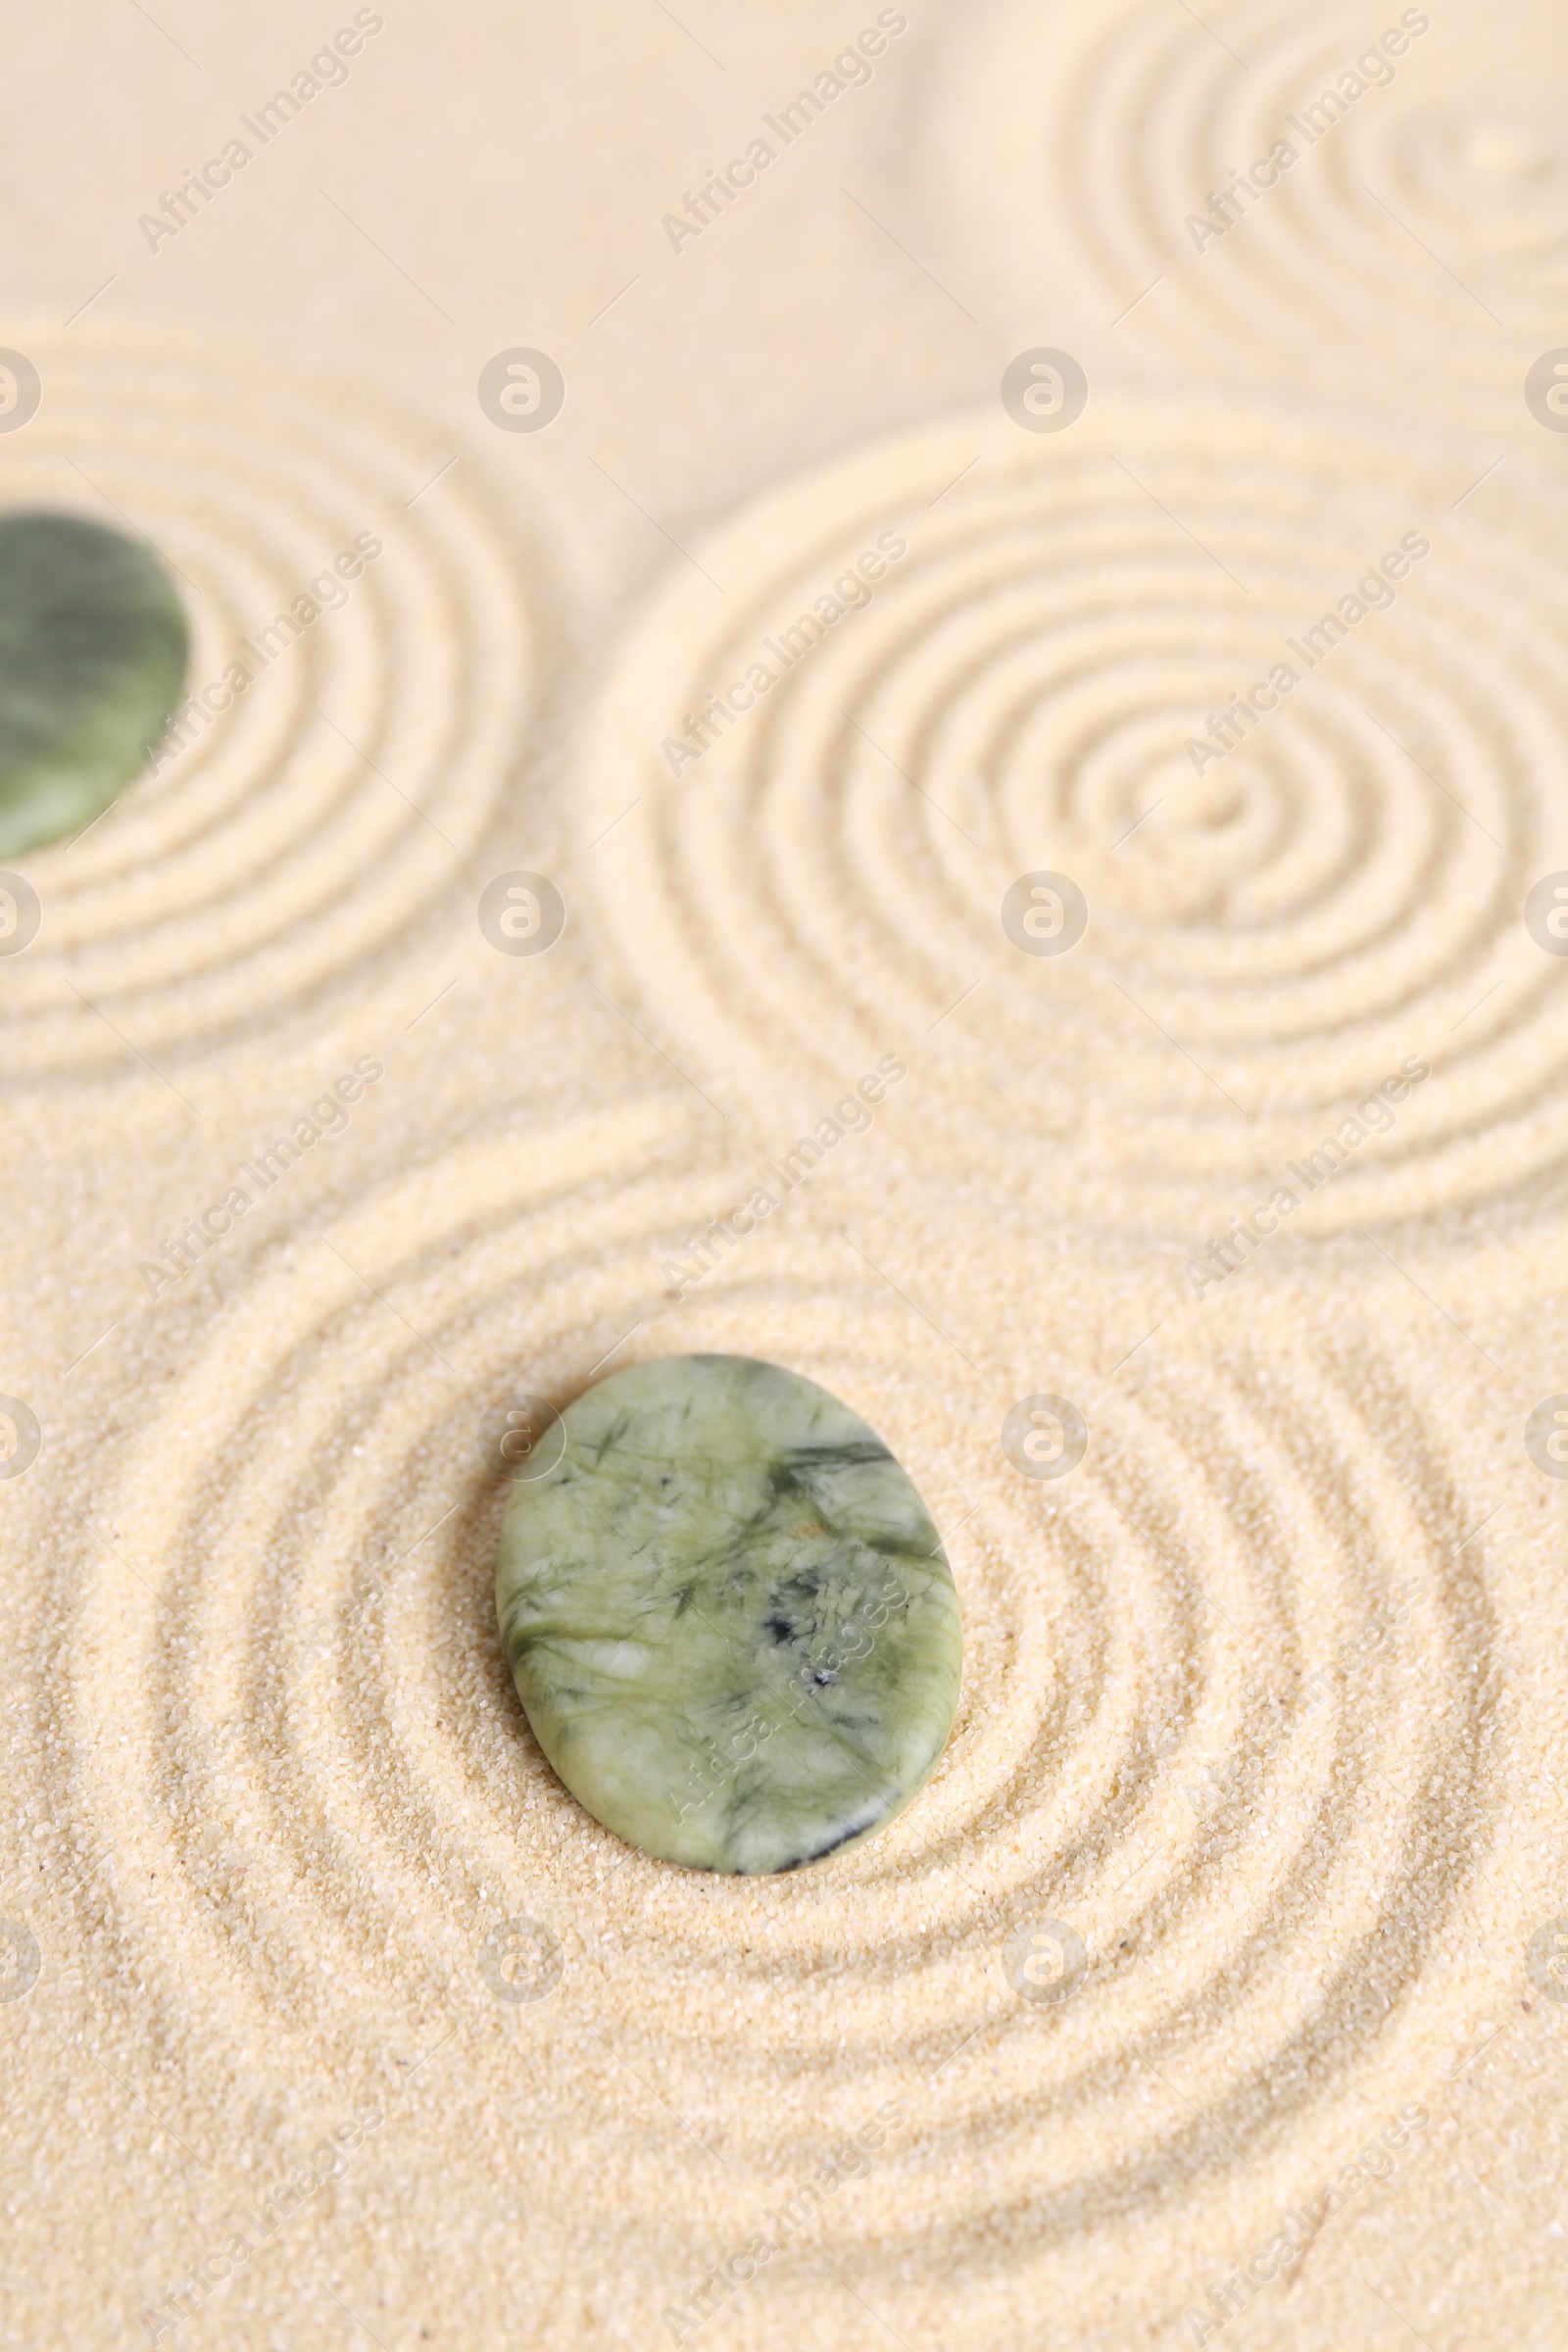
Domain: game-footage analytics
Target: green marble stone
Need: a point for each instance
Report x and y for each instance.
(729, 1617)
(93, 648)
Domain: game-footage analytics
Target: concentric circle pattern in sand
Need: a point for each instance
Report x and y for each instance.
(1224, 1718)
(298, 822)
(1272, 932)
(1414, 254)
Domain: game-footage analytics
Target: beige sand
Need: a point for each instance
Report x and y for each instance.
(1264, 1704)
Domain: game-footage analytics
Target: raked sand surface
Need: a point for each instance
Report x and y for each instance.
(1262, 1724)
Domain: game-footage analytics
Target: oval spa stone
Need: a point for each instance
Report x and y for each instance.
(93, 648)
(729, 1617)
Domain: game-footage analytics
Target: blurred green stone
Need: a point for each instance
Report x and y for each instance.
(728, 1616)
(93, 646)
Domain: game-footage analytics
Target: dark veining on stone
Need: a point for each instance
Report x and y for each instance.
(729, 1616)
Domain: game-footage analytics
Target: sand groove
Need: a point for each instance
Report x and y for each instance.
(316, 811)
(1414, 255)
(1336, 896)
(1223, 1712)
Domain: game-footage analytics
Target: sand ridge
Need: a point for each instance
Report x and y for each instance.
(1413, 258)
(1263, 1705)
(359, 650)
(1306, 890)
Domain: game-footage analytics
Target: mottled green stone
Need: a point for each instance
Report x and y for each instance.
(92, 657)
(729, 1617)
